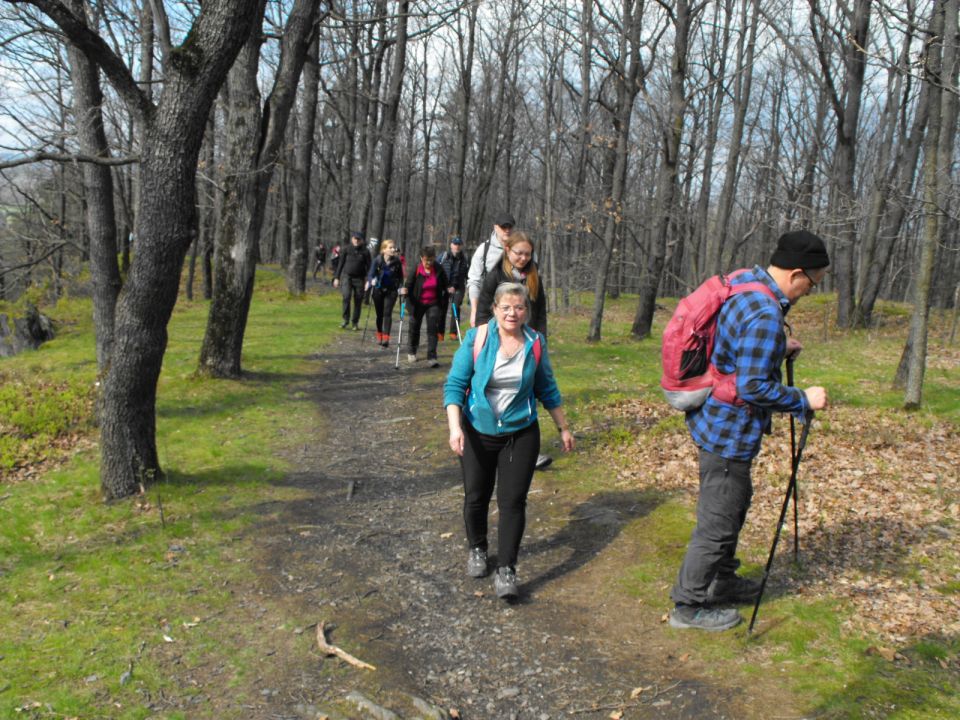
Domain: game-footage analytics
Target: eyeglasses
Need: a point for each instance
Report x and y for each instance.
(813, 283)
(520, 254)
(517, 309)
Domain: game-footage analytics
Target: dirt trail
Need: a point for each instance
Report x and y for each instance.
(376, 549)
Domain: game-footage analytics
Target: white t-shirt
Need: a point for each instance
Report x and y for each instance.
(504, 382)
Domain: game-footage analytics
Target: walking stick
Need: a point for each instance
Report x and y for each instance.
(366, 324)
(793, 455)
(791, 489)
(456, 318)
(403, 305)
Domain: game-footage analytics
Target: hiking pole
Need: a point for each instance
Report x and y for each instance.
(366, 324)
(793, 455)
(456, 319)
(791, 488)
(403, 304)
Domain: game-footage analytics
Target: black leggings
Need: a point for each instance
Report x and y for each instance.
(506, 461)
(383, 302)
(434, 325)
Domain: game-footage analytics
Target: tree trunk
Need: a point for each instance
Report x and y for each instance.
(303, 159)
(938, 153)
(98, 187)
(388, 133)
(667, 180)
(254, 141)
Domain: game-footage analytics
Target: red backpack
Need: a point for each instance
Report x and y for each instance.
(688, 375)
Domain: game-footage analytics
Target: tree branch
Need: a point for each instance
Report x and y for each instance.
(91, 44)
(79, 157)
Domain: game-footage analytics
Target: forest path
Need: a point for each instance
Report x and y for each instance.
(375, 549)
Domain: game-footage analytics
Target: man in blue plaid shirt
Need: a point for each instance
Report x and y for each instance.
(750, 342)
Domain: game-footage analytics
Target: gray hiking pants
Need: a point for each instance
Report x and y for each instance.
(725, 493)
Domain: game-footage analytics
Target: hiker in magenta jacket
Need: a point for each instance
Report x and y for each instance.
(491, 404)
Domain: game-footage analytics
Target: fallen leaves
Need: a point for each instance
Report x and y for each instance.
(879, 505)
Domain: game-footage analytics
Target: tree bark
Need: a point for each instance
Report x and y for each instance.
(98, 187)
(667, 180)
(302, 164)
(254, 139)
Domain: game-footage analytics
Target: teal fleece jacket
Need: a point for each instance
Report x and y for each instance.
(537, 383)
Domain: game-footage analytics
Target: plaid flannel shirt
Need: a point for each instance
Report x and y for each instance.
(751, 342)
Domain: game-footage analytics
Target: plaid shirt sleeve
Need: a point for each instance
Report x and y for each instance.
(750, 341)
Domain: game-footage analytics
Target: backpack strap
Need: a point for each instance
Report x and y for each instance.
(481, 337)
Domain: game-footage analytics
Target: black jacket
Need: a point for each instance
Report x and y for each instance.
(387, 276)
(538, 308)
(455, 266)
(354, 262)
(414, 284)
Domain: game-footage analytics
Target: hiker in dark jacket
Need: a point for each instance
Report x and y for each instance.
(321, 259)
(517, 266)
(426, 291)
(384, 280)
(455, 264)
(497, 377)
(351, 276)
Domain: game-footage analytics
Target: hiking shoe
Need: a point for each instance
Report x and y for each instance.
(477, 563)
(542, 462)
(343, 324)
(732, 590)
(505, 583)
(453, 336)
(433, 362)
(704, 618)
(439, 337)
(411, 357)
(356, 326)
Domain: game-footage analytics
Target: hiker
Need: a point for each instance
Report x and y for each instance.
(350, 276)
(505, 368)
(426, 291)
(750, 342)
(455, 264)
(334, 258)
(485, 258)
(320, 255)
(384, 280)
(518, 265)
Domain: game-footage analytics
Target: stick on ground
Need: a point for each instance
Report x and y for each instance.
(334, 650)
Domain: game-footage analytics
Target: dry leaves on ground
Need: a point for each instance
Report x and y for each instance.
(879, 507)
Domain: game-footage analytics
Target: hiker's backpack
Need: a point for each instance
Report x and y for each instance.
(688, 375)
(481, 337)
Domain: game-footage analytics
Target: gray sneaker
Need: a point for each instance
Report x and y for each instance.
(542, 461)
(411, 357)
(477, 563)
(505, 583)
(732, 590)
(433, 362)
(704, 618)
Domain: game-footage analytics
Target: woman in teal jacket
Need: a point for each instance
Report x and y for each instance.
(491, 399)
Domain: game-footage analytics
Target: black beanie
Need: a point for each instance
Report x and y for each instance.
(800, 250)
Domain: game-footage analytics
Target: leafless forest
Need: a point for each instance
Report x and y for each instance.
(643, 144)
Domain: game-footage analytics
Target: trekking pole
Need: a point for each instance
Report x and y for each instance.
(403, 304)
(793, 455)
(791, 488)
(456, 319)
(366, 324)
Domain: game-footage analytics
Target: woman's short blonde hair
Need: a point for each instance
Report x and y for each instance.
(511, 288)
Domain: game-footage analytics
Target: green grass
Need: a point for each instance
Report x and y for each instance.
(88, 590)
(804, 654)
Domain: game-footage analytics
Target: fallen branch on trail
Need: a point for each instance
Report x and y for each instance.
(329, 649)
